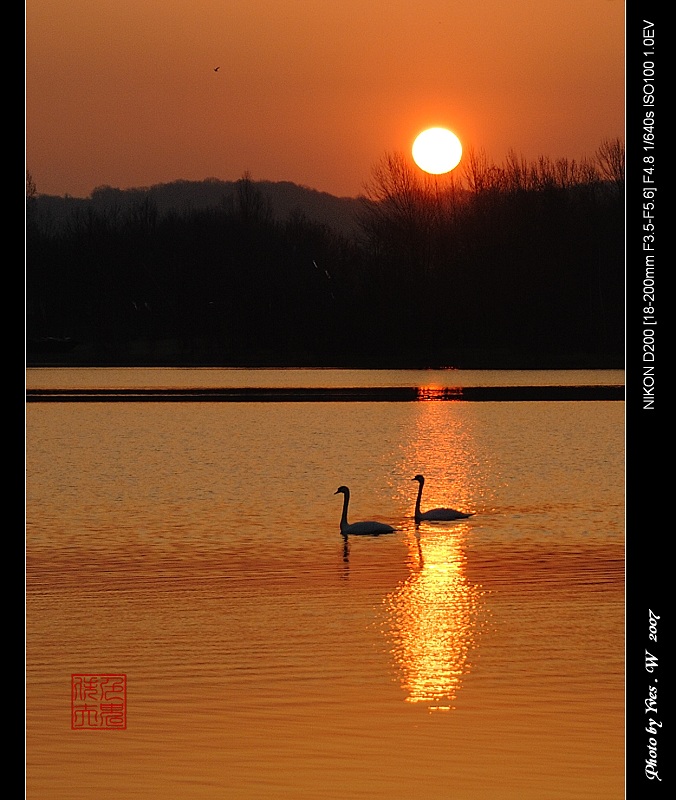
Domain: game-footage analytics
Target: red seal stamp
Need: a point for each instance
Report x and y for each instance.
(98, 702)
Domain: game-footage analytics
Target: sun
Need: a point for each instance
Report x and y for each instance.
(437, 150)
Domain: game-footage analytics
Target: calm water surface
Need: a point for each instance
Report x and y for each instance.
(160, 378)
(196, 549)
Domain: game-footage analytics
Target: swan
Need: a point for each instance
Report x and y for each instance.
(364, 528)
(439, 514)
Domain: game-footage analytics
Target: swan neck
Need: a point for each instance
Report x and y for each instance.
(418, 499)
(346, 501)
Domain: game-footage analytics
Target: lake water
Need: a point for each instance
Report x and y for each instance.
(195, 549)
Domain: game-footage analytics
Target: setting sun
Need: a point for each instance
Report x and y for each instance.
(437, 150)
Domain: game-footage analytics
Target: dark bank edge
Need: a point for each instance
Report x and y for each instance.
(322, 394)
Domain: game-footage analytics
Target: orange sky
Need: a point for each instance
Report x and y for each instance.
(123, 92)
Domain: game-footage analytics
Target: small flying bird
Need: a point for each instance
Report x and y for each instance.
(216, 69)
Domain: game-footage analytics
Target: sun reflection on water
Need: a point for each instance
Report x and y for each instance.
(433, 618)
(434, 614)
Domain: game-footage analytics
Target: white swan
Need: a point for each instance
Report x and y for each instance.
(438, 514)
(364, 528)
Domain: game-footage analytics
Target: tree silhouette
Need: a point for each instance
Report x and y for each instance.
(516, 263)
(610, 156)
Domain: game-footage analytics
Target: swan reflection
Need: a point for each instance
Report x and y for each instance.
(433, 617)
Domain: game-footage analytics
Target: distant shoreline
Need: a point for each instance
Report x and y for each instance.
(388, 394)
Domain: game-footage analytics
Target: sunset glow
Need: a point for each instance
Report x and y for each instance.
(127, 94)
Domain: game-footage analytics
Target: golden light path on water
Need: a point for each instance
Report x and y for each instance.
(433, 619)
(434, 614)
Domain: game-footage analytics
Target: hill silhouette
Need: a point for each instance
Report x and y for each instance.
(284, 199)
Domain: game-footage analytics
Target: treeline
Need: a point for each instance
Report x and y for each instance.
(517, 265)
